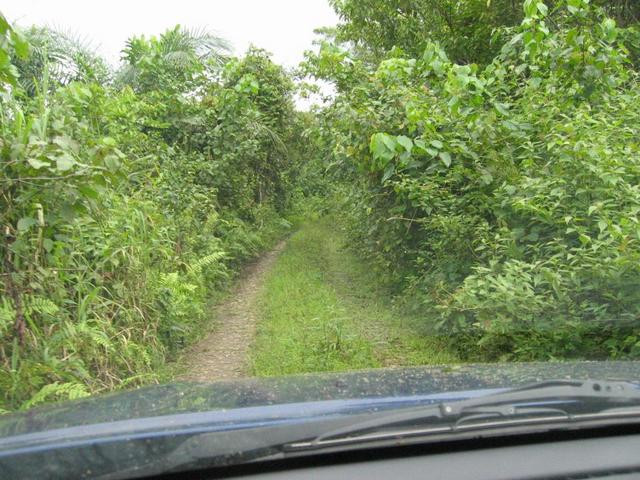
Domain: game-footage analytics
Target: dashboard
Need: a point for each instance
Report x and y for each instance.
(611, 457)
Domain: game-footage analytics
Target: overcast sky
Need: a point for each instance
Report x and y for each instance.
(283, 27)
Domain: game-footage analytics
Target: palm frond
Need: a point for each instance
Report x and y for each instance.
(66, 56)
(272, 135)
(199, 43)
(206, 44)
(177, 51)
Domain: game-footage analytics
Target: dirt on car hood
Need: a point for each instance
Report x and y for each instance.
(386, 385)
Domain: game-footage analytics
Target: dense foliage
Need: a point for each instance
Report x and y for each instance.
(484, 156)
(469, 31)
(127, 199)
(502, 200)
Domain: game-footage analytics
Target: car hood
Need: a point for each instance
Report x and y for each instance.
(311, 394)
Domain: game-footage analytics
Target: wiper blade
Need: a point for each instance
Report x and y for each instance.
(604, 393)
(549, 402)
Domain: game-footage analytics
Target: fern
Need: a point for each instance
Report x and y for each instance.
(173, 284)
(133, 350)
(95, 334)
(198, 265)
(39, 305)
(56, 391)
(7, 315)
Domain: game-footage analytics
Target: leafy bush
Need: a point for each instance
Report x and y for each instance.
(127, 205)
(502, 201)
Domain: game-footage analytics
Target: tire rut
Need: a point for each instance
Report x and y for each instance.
(223, 353)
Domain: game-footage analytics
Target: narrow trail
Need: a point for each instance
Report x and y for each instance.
(223, 353)
(325, 309)
(312, 307)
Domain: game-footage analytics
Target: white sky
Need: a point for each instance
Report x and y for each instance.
(283, 27)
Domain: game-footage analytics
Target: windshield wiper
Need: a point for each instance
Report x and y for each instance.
(545, 403)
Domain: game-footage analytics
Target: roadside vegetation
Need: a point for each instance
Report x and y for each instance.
(492, 177)
(129, 198)
(468, 193)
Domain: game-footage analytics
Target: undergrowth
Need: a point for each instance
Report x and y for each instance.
(128, 201)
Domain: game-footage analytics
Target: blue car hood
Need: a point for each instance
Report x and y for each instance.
(188, 426)
(308, 395)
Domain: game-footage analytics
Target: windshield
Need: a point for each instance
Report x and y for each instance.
(421, 201)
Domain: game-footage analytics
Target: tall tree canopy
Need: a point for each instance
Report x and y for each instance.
(465, 29)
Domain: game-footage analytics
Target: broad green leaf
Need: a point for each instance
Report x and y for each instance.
(573, 5)
(420, 144)
(432, 151)
(26, 223)
(4, 25)
(446, 158)
(20, 45)
(530, 7)
(47, 244)
(405, 142)
(88, 192)
(382, 146)
(66, 143)
(65, 162)
(112, 162)
(388, 172)
(389, 141)
(37, 164)
(503, 108)
(609, 28)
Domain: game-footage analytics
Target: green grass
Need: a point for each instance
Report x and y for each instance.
(322, 309)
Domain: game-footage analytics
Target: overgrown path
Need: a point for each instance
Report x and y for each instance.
(223, 353)
(324, 309)
(310, 305)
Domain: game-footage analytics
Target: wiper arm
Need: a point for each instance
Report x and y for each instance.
(546, 402)
(601, 392)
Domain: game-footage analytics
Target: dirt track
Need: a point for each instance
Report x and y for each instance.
(222, 354)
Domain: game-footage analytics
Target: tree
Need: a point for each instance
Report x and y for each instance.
(63, 57)
(173, 61)
(463, 28)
